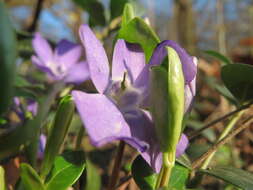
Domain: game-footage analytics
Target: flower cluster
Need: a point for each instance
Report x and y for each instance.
(119, 111)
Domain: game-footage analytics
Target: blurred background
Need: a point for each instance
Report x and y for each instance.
(225, 26)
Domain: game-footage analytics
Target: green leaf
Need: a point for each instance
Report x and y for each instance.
(95, 10)
(128, 14)
(137, 31)
(116, 7)
(184, 161)
(66, 171)
(93, 180)
(235, 176)
(30, 178)
(2, 178)
(239, 81)
(7, 59)
(58, 132)
(143, 174)
(179, 177)
(225, 60)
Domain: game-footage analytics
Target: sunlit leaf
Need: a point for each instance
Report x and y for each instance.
(66, 170)
(30, 179)
(128, 14)
(137, 31)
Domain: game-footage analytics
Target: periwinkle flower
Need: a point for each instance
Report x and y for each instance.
(115, 112)
(61, 64)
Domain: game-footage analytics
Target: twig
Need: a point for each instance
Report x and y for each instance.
(198, 132)
(244, 125)
(37, 12)
(116, 168)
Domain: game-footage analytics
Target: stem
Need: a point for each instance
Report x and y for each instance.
(116, 168)
(224, 133)
(165, 173)
(198, 132)
(215, 147)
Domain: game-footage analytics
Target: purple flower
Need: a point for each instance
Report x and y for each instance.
(62, 63)
(115, 112)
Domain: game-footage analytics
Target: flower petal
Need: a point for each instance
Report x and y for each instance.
(78, 73)
(36, 61)
(96, 58)
(68, 53)
(127, 57)
(154, 157)
(189, 67)
(103, 121)
(42, 48)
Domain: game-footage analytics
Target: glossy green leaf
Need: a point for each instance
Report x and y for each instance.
(178, 178)
(143, 174)
(7, 59)
(66, 171)
(2, 178)
(116, 7)
(225, 60)
(235, 176)
(93, 179)
(137, 31)
(239, 81)
(58, 132)
(128, 14)
(30, 179)
(95, 9)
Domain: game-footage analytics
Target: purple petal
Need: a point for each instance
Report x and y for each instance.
(127, 57)
(103, 120)
(154, 157)
(42, 48)
(78, 73)
(37, 62)
(119, 60)
(68, 53)
(42, 144)
(189, 67)
(136, 59)
(96, 58)
(32, 106)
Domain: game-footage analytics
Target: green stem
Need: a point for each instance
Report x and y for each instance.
(225, 132)
(165, 173)
(116, 168)
(79, 138)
